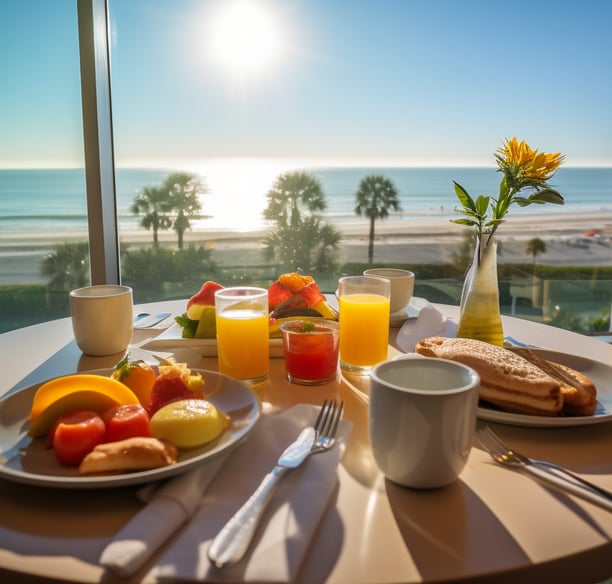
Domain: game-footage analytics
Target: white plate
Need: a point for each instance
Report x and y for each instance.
(172, 338)
(599, 373)
(27, 461)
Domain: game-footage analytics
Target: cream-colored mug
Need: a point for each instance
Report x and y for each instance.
(402, 285)
(102, 318)
(422, 419)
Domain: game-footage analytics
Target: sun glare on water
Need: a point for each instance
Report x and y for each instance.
(236, 192)
(244, 38)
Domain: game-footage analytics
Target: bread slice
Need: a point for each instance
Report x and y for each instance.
(506, 379)
(579, 392)
(131, 454)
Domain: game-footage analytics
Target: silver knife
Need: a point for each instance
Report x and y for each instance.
(231, 543)
(149, 321)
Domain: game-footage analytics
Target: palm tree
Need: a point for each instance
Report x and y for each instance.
(153, 204)
(293, 195)
(329, 239)
(534, 247)
(376, 196)
(182, 190)
(295, 203)
(67, 268)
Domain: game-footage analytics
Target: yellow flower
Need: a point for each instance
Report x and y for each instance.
(525, 165)
(523, 168)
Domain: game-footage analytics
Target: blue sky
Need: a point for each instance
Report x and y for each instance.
(439, 82)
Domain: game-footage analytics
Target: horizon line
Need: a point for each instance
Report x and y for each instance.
(197, 164)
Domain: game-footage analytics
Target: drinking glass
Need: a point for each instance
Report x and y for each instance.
(311, 351)
(242, 333)
(364, 322)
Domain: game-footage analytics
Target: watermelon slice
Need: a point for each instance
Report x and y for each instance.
(311, 295)
(277, 294)
(206, 295)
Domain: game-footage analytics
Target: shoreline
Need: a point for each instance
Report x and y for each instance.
(422, 241)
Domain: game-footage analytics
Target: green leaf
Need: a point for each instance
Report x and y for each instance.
(464, 197)
(523, 202)
(547, 196)
(482, 204)
(188, 325)
(465, 222)
(123, 363)
(504, 189)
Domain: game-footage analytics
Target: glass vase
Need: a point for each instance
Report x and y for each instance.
(480, 316)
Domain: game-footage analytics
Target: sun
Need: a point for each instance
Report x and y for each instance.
(245, 39)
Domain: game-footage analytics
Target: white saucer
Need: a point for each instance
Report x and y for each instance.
(397, 319)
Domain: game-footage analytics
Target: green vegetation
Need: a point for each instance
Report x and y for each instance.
(172, 205)
(535, 247)
(301, 239)
(153, 205)
(573, 297)
(376, 197)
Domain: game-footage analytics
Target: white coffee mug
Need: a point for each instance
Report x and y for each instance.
(422, 419)
(402, 285)
(102, 318)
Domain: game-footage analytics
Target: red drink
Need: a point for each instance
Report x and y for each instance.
(311, 351)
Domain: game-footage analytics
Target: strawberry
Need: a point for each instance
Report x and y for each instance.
(169, 389)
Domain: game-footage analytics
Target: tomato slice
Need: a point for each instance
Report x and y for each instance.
(76, 434)
(126, 421)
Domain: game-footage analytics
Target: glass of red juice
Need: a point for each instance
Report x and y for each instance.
(311, 350)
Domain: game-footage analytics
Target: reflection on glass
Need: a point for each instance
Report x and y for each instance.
(246, 96)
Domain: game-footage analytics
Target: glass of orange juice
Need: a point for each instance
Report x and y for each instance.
(243, 346)
(364, 322)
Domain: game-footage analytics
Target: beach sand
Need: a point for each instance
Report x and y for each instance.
(422, 241)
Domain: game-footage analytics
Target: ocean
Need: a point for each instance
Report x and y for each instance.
(53, 200)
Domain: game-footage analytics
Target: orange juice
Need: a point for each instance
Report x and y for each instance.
(364, 329)
(242, 344)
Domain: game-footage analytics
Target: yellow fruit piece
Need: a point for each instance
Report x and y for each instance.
(294, 281)
(189, 423)
(325, 310)
(194, 312)
(139, 377)
(78, 400)
(50, 392)
(170, 368)
(274, 330)
(207, 327)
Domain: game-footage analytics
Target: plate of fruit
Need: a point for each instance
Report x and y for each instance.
(129, 425)
(291, 297)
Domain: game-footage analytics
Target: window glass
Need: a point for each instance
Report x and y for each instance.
(279, 109)
(43, 211)
(245, 129)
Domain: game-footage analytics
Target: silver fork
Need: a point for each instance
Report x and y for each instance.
(507, 456)
(232, 542)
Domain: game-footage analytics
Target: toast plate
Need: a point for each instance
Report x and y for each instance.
(599, 373)
(172, 338)
(25, 460)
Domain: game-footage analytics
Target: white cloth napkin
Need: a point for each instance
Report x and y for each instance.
(430, 323)
(289, 522)
(169, 506)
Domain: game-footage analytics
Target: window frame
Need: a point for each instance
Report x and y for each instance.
(94, 58)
